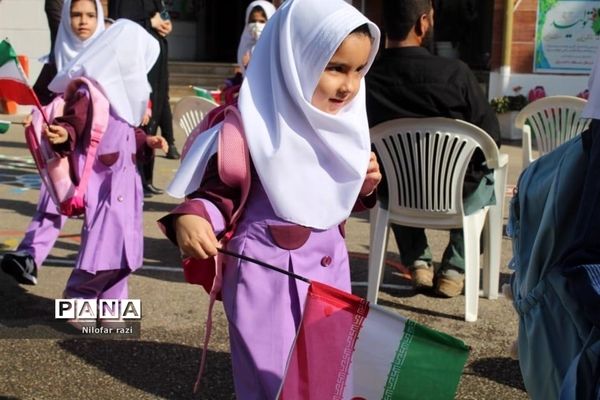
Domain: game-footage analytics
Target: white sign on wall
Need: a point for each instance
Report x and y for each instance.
(567, 36)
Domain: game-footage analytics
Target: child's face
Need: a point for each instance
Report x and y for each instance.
(257, 16)
(340, 81)
(84, 18)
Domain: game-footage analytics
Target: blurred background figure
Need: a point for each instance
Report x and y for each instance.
(52, 9)
(256, 17)
(154, 17)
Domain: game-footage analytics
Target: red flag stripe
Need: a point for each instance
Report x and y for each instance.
(329, 330)
(17, 91)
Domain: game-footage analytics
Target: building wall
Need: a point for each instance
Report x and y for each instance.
(24, 24)
(521, 66)
(524, 19)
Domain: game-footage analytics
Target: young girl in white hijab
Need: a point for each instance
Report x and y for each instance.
(76, 29)
(111, 238)
(303, 110)
(257, 14)
(82, 21)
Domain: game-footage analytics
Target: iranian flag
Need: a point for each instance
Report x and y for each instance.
(13, 83)
(349, 349)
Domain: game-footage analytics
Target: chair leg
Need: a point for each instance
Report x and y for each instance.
(493, 238)
(527, 150)
(472, 227)
(378, 246)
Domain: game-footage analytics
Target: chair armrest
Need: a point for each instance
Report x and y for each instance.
(500, 162)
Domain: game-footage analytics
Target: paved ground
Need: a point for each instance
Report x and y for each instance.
(162, 362)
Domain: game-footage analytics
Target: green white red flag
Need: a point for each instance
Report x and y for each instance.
(13, 82)
(349, 349)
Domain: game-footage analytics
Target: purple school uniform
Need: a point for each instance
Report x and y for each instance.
(264, 307)
(43, 230)
(112, 233)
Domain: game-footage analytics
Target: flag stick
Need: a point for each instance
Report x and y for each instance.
(264, 264)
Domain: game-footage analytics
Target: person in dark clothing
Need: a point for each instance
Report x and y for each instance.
(408, 81)
(153, 16)
(53, 9)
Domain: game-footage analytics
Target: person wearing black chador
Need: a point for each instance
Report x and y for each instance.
(153, 16)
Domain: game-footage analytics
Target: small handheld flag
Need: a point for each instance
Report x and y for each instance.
(347, 348)
(13, 83)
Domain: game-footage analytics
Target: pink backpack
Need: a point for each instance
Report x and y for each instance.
(67, 186)
(233, 161)
(234, 170)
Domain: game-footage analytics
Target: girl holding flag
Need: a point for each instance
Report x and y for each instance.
(302, 105)
(116, 65)
(82, 21)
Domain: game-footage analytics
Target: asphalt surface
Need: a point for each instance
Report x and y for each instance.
(40, 358)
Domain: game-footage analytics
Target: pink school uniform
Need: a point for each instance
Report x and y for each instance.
(111, 238)
(307, 172)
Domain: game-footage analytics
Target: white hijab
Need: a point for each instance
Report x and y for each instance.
(247, 42)
(67, 44)
(310, 163)
(117, 61)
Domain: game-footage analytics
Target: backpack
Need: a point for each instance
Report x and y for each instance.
(66, 185)
(233, 161)
(552, 329)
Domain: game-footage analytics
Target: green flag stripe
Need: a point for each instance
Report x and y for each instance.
(427, 365)
(7, 53)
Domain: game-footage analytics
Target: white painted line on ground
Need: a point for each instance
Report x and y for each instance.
(55, 261)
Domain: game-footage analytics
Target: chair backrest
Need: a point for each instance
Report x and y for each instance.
(190, 110)
(553, 120)
(425, 161)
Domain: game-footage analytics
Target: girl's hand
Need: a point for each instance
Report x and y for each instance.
(157, 142)
(56, 134)
(27, 121)
(373, 177)
(146, 118)
(195, 237)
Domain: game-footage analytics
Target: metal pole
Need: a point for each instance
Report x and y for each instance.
(506, 46)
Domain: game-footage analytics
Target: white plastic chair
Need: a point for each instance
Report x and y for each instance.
(189, 111)
(425, 160)
(552, 120)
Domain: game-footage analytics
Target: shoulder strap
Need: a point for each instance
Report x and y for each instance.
(233, 162)
(233, 157)
(100, 113)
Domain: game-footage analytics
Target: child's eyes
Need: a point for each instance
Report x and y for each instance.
(342, 68)
(79, 15)
(335, 68)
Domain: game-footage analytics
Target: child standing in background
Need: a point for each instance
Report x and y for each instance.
(303, 110)
(257, 15)
(112, 234)
(82, 21)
